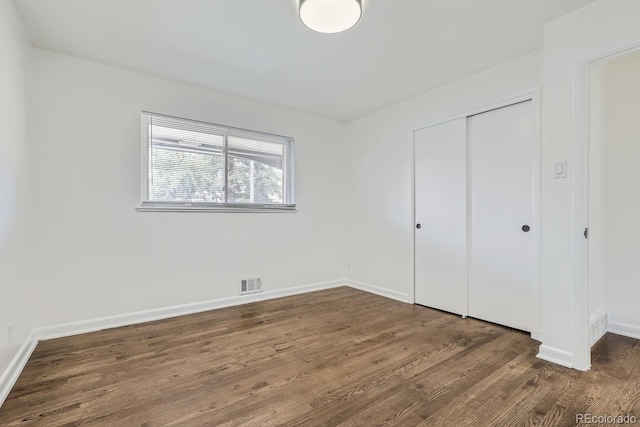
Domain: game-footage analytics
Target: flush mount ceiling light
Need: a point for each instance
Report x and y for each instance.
(330, 16)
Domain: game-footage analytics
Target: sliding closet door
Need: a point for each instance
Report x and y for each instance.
(502, 242)
(441, 222)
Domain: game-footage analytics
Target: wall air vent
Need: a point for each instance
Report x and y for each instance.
(250, 286)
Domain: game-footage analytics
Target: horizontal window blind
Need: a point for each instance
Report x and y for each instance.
(190, 164)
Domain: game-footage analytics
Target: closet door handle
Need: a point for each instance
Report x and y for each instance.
(418, 226)
(526, 228)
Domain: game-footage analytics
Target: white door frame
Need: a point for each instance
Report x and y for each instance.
(582, 63)
(532, 95)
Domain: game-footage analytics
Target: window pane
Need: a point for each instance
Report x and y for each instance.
(186, 166)
(193, 165)
(255, 171)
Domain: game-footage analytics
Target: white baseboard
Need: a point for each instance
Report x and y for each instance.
(555, 355)
(93, 325)
(108, 322)
(17, 364)
(625, 329)
(384, 292)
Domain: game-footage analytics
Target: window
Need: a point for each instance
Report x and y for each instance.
(194, 166)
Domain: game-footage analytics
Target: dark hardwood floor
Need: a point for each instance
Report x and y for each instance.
(337, 357)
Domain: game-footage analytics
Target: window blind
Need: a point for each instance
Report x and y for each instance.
(187, 164)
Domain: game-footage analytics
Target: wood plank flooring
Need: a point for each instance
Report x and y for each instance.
(339, 357)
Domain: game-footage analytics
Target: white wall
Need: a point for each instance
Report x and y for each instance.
(96, 256)
(14, 303)
(603, 23)
(380, 155)
(622, 203)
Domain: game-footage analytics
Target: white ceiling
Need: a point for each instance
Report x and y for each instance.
(260, 50)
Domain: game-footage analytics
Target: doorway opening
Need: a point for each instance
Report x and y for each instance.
(607, 135)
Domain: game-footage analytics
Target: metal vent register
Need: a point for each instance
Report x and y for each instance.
(248, 286)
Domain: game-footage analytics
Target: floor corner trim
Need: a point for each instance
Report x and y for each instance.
(624, 329)
(555, 355)
(127, 319)
(14, 369)
(383, 292)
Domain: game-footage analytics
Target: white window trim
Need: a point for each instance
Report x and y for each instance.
(151, 206)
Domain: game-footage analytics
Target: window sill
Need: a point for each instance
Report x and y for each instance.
(225, 208)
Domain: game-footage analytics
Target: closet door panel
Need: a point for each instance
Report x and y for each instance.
(440, 216)
(502, 244)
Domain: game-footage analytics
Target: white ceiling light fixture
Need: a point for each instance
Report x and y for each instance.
(330, 16)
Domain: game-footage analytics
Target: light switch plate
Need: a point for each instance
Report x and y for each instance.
(560, 169)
